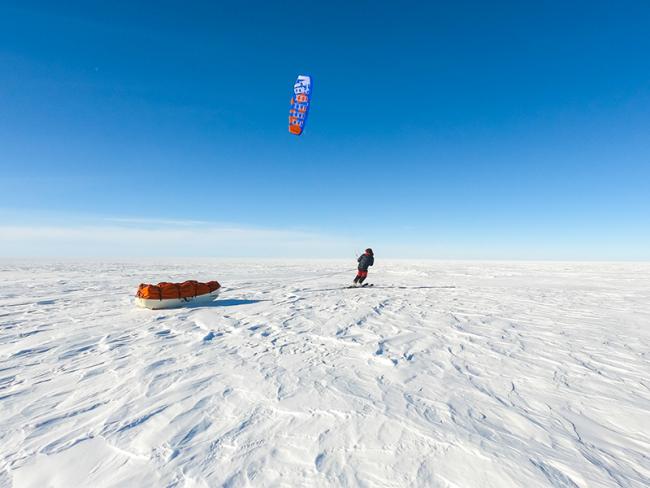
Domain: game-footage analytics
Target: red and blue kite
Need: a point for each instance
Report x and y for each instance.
(300, 104)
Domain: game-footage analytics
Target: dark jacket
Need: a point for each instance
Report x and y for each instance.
(365, 261)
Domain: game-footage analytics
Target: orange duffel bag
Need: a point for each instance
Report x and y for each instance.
(149, 291)
(189, 289)
(170, 290)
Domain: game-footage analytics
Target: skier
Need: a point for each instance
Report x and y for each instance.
(366, 260)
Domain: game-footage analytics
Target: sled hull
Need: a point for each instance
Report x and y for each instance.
(155, 304)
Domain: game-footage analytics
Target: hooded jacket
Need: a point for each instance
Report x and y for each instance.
(365, 261)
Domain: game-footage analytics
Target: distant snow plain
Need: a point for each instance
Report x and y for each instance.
(445, 374)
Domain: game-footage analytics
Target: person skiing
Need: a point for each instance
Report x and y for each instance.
(366, 260)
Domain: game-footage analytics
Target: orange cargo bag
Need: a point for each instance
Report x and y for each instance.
(149, 292)
(170, 290)
(188, 288)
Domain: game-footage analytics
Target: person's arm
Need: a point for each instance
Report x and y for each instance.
(360, 258)
(372, 260)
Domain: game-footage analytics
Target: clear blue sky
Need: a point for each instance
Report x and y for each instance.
(437, 129)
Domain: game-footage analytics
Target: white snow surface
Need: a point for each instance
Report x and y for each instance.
(445, 374)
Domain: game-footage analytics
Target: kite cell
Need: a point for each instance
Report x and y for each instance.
(300, 104)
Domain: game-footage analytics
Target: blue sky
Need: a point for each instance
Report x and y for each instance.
(514, 130)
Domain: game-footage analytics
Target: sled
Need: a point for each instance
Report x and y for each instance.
(174, 295)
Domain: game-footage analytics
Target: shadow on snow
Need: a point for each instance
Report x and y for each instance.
(374, 287)
(226, 303)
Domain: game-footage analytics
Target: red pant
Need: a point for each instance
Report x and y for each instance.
(362, 274)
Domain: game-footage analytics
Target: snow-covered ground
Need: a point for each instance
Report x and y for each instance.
(443, 374)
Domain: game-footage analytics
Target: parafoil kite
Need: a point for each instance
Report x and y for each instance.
(300, 104)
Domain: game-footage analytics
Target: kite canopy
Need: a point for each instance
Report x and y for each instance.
(300, 104)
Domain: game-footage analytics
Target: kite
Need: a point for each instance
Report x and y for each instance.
(300, 104)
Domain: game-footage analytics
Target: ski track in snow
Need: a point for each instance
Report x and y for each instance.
(443, 375)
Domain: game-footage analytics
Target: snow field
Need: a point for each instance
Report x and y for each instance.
(444, 374)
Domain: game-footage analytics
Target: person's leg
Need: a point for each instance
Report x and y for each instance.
(357, 277)
(362, 276)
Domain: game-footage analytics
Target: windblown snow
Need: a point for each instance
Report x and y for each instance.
(442, 375)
